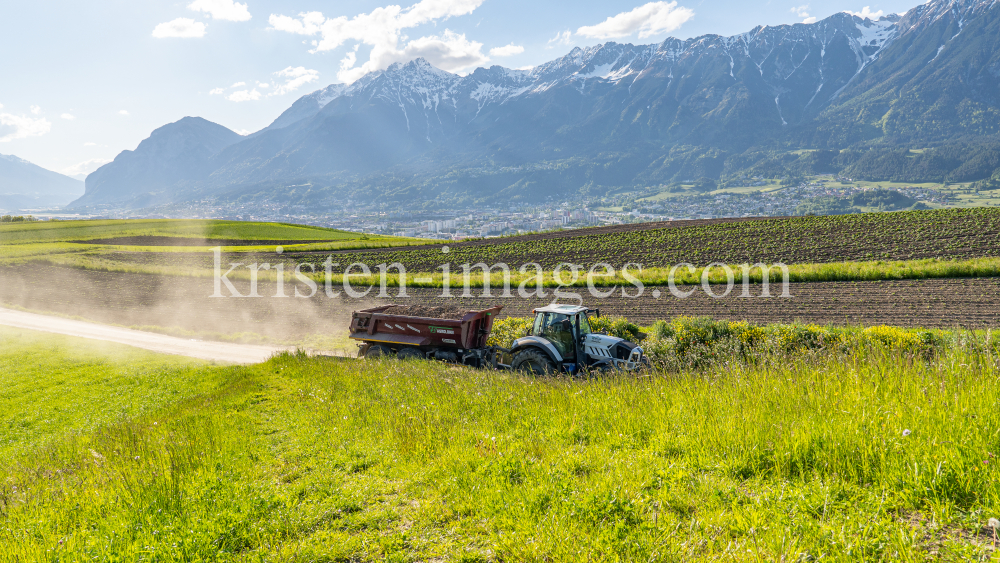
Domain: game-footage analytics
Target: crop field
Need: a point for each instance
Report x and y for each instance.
(876, 246)
(809, 456)
(943, 234)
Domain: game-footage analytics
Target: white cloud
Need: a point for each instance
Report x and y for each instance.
(651, 19)
(803, 12)
(20, 126)
(564, 38)
(382, 29)
(81, 169)
(308, 23)
(866, 12)
(36, 110)
(244, 96)
(180, 27)
(289, 80)
(68, 116)
(294, 79)
(449, 51)
(349, 60)
(506, 50)
(123, 112)
(222, 9)
(243, 132)
(90, 144)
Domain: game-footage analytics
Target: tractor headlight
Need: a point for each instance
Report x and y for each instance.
(635, 357)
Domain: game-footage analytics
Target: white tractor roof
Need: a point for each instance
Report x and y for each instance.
(561, 309)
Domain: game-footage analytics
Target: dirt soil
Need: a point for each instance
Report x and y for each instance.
(137, 300)
(445, 311)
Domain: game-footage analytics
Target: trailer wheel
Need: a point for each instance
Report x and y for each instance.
(534, 362)
(378, 351)
(410, 353)
(446, 356)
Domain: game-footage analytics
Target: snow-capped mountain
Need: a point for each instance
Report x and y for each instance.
(623, 114)
(817, 59)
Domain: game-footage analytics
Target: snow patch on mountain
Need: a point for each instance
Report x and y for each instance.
(876, 33)
(329, 94)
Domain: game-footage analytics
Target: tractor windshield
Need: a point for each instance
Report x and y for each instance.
(584, 325)
(557, 329)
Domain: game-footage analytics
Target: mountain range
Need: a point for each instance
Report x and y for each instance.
(911, 97)
(24, 185)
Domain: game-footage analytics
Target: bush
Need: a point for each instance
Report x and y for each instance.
(916, 342)
(687, 343)
(618, 327)
(700, 342)
(506, 331)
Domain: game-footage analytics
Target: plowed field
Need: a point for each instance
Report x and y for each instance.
(142, 299)
(946, 234)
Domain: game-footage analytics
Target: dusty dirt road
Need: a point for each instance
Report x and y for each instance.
(217, 351)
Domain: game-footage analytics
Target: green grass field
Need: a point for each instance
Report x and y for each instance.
(65, 242)
(56, 387)
(62, 231)
(868, 455)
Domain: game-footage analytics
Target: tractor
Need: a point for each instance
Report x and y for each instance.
(562, 340)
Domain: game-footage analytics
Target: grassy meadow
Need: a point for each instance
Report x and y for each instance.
(869, 452)
(52, 231)
(68, 241)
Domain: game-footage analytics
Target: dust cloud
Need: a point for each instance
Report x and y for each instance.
(183, 306)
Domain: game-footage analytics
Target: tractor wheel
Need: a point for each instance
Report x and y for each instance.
(377, 352)
(410, 353)
(446, 356)
(534, 362)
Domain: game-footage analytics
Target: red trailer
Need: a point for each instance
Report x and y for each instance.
(382, 333)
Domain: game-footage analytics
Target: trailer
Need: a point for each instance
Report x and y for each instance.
(384, 334)
(561, 340)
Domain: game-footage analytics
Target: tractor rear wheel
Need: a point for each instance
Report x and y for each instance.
(378, 351)
(533, 361)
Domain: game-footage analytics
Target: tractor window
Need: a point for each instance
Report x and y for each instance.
(557, 329)
(584, 325)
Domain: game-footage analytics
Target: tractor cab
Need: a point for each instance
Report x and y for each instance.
(561, 339)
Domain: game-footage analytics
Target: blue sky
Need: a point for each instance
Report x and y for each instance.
(83, 81)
